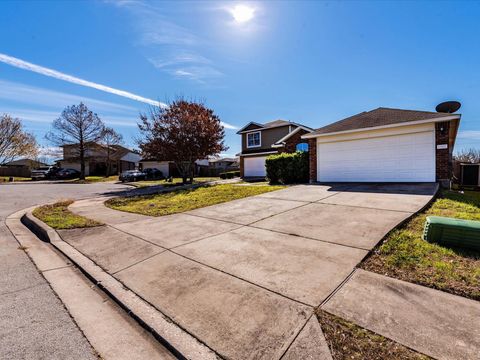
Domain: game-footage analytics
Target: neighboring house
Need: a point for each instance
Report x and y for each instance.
(215, 165)
(384, 145)
(262, 140)
(224, 164)
(28, 163)
(21, 167)
(121, 159)
(168, 168)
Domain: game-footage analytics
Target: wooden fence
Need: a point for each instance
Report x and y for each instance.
(15, 171)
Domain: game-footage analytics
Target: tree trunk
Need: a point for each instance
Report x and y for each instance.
(183, 172)
(82, 161)
(107, 174)
(191, 168)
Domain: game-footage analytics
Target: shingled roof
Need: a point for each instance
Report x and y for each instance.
(268, 125)
(378, 117)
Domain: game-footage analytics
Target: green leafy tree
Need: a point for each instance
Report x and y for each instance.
(182, 132)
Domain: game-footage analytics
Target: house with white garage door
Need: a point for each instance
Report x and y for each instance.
(385, 145)
(262, 140)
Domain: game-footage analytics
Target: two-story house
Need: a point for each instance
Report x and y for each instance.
(262, 140)
(96, 159)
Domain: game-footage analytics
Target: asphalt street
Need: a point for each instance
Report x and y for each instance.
(34, 323)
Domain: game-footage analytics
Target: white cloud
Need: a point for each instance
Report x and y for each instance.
(179, 55)
(187, 65)
(72, 79)
(229, 126)
(154, 27)
(178, 58)
(36, 95)
(197, 73)
(469, 134)
(39, 96)
(41, 116)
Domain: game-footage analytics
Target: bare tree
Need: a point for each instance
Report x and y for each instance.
(109, 138)
(468, 156)
(79, 126)
(15, 141)
(183, 132)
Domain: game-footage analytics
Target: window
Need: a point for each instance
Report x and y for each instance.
(253, 139)
(302, 147)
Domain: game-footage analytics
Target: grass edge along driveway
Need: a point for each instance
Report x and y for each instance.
(406, 256)
(59, 217)
(349, 341)
(184, 200)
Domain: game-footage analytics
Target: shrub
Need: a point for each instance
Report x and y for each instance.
(287, 168)
(229, 174)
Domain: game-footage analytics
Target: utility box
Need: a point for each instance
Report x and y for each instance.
(470, 174)
(452, 232)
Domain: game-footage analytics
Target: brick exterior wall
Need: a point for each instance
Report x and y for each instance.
(443, 159)
(312, 150)
(292, 142)
(242, 166)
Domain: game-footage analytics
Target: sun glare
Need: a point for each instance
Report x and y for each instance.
(242, 13)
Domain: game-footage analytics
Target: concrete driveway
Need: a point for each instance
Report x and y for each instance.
(244, 276)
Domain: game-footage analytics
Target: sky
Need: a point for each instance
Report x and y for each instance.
(310, 62)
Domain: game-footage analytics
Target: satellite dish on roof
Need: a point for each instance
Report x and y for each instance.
(448, 107)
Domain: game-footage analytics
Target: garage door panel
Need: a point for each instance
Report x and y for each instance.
(254, 166)
(409, 158)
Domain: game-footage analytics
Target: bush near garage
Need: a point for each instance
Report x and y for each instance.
(288, 168)
(229, 174)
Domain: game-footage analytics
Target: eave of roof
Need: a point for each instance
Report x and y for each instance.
(281, 142)
(409, 123)
(266, 126)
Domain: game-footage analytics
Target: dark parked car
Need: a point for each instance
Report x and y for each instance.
(153, 174)
(131, 175)
(45, 173)
(68, 174)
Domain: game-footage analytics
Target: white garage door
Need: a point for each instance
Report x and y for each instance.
(398, 158)
(254, 166)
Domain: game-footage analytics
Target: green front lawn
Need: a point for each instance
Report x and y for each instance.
(184, 200)
(175, 182)
(59, 217)
(404, 255)
(348, 341)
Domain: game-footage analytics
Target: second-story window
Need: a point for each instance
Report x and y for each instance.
(253, 139)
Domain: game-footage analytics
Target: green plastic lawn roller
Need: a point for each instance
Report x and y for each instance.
(452, 232)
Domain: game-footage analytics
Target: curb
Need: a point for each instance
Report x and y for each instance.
(174, 338)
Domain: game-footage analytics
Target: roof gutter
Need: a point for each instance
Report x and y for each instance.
(419, 122)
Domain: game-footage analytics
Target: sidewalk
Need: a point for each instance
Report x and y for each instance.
(432, 322)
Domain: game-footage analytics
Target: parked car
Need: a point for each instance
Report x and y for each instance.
(45, 173)
(153, 174)
(65, 174)
(132, 175)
